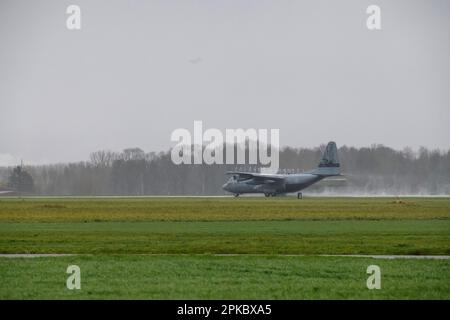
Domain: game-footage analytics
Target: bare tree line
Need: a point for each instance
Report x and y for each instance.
(370, 170)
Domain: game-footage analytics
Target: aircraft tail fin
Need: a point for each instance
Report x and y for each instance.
(329, 164)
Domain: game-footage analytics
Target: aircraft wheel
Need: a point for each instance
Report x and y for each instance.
(236, 195)
(299, 195)
(267, 195)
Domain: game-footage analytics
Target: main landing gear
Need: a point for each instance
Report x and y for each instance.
(299, 195)
(236, 195)
(270, 194)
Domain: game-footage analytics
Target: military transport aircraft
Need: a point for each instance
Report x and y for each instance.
(273, 184)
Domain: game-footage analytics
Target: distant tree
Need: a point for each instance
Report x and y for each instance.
(133, 154)
(376, 169)
(20, 180)
(103, 158)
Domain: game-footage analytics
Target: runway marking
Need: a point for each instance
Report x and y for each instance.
(388, 257)
(34, 255)
(433, 257)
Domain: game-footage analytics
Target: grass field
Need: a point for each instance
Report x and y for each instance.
(123, 245)
(256, 237)
(210, 277)
(220, 209)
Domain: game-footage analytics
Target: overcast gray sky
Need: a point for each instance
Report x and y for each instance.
(137, 70)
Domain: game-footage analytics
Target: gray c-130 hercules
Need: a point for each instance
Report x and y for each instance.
(273, 184)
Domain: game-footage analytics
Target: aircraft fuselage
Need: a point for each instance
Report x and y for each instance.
(290, 183)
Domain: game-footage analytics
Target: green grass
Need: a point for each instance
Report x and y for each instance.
(115, 236)
(253, 237)
(223, 209)
(210, 277)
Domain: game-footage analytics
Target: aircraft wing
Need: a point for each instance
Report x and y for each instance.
(258, 178)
